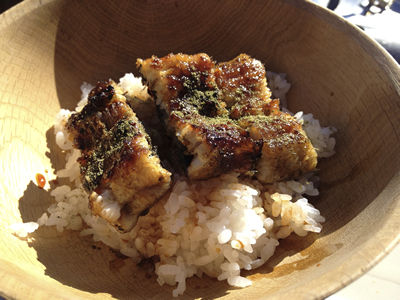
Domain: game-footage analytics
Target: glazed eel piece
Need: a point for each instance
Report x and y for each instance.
(224, 116)
(118, 166)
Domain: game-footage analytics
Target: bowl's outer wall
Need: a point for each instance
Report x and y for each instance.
(48, 48)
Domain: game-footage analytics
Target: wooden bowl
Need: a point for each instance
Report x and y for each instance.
(48, 48)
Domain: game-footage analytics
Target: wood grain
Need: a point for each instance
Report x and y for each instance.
(48, 48)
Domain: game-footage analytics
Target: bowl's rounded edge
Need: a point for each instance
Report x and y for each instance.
(19, 10)
(371, 253)
(389, 235)
(16, 282)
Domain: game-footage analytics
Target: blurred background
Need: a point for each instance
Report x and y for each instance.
(380, 19)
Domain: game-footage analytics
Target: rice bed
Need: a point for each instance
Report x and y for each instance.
(215, 227)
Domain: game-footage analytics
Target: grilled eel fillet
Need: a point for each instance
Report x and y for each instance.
(224, 116)
(118, 165)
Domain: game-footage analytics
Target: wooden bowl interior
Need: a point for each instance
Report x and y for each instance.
(48, 50)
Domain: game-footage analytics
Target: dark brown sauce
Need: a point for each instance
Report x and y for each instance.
(82, 124)
(228, 107)
(54, 181)
(309, 257)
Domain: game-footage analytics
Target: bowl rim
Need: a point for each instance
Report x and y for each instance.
(392, 69)
(339, 277)
(370, 255)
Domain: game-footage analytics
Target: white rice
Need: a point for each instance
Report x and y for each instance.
(216, 227)
(279, 86)
(319, 136)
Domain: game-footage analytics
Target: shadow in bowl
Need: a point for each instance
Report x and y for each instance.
(349, 180)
